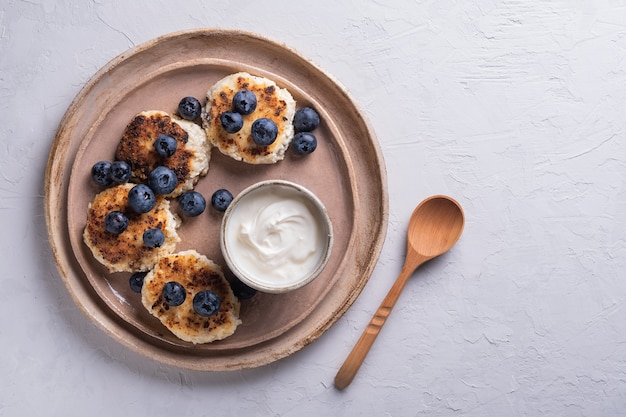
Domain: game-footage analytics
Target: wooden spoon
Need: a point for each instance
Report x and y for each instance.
(435, 226)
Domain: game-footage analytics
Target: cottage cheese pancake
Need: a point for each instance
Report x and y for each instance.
(195, 273)
(189, 162)
(126, 251)
(273, 103)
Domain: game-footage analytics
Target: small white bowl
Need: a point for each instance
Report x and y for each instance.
(276, 236)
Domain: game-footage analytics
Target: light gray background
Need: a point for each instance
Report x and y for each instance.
(515, 108)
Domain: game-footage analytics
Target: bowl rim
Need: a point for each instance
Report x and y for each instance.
(322, 215)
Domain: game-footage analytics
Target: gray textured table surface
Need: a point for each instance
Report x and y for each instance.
(515, 108)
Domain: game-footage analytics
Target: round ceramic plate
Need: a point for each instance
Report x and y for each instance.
(346, 172)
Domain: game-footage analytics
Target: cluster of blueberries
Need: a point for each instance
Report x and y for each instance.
(264, 131)
(205, 302)
(141, 199)
(305, 121)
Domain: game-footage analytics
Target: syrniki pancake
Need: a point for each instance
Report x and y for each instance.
(189, 162)
(195, 273)
(273, 102)
(126, 251)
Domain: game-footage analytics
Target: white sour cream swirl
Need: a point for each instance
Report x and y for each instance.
(275, 237)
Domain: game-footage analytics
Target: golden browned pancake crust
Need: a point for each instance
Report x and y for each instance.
(137, 149)
(126, 251)
(195, 273)
(137, 146)
(272, 102)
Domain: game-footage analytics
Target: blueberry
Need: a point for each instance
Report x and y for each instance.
(221, 199)
(173, 293)
(231, 122)
(306, 119)
(101, 173)
(115, 222)
(162, 180)
(192, 203)
(189, 108)
(165, 145)
(136, 281)
(244, 102)
(264, 131)
(120, 172)
(241, 290)
(304, 143)
(206, 303)
(141, 199)
(153, 238)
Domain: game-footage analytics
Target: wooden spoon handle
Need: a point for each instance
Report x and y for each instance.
(353, 362)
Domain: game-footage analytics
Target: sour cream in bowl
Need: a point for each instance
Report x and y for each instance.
(276, 236)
